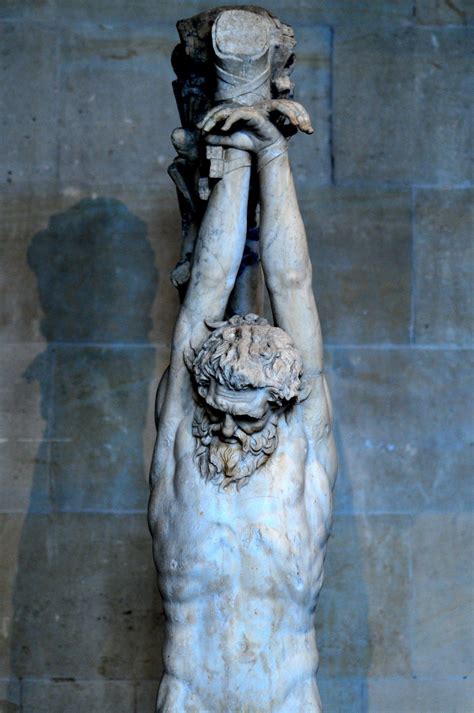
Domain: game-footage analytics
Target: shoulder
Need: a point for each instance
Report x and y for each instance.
(317, 423)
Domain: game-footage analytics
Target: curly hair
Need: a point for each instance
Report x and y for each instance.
(247, 352)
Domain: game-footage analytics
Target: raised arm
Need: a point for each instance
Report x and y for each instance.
(284, 250)
(217, 256)
(288, 275)
(285, 258)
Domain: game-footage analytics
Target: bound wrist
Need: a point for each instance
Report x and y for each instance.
(271, 152)
(224, 161)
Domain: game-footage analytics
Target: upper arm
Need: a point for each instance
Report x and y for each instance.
(216, 259)
(173, 400)
(287, 265)
(318, 426)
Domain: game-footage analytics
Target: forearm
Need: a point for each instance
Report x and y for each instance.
(286, 261)
(217, 256)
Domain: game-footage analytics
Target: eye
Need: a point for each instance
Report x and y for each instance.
(249, 422)
(248, 419)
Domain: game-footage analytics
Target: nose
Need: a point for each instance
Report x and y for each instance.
(228, 426)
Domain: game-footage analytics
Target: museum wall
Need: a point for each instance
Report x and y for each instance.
(89, 233)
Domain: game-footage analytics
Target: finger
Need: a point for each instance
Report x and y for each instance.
(290, 114)
(209, 114)
(239, 115)
(294, 106)
(215, 140)
(295, 112)
(304, 121)
(286, 109)
(219, 115)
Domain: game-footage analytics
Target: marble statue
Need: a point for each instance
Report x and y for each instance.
(244, 463)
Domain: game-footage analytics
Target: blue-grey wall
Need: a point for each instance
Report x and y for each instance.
(89, 233)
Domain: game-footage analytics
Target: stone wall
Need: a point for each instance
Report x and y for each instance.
(89, 233)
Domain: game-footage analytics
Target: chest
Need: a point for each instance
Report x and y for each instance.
(221, 540)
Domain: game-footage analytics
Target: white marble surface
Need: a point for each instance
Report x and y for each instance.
(244, 463)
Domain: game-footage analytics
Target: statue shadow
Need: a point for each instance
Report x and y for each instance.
(85, 601)
(342, 618)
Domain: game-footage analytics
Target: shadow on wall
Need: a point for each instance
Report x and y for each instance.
(85, 601)
(343, 629)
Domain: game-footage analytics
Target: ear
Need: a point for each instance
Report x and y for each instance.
(304, 391)
(202, 391)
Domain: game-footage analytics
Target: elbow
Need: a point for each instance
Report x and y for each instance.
(291, 280)
(211, 274)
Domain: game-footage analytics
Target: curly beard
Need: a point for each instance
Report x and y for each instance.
(231, 463)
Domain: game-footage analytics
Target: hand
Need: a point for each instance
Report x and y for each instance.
(286, 110)
(257, 132)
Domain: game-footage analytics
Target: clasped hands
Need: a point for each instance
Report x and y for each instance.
(250, 128)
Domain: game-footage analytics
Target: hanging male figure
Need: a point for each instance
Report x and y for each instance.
(244, 464)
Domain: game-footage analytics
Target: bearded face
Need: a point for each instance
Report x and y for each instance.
(236, 433)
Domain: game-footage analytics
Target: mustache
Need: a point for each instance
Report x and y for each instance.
(231, 463)
(251, 443)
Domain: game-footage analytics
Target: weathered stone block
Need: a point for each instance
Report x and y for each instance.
(338, 11)
(10, 537)
(145, 696)
(35, 9)
(443, 607)
(311, 155)
(102, 397)
(95, 273)
(341, 695)
(444, 12)
(22, 412)
(403, 429)
(444, 258)
(159, 210)
(77, 696)
(130, 235)
(113, 87)
(414, 696)
(20, 312)
(362, 584)
(24, 474)
(29, 100)
(341, 12)
(23, 213)
(25, 390)
(148, 303)
(360, 247)
(84, 601)
(141, 12)
(9, 696)
(400, 107)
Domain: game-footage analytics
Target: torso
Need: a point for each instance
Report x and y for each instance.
(240, 573)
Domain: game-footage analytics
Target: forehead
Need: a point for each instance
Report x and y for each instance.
(248, 402)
